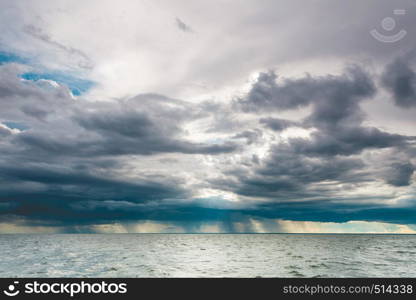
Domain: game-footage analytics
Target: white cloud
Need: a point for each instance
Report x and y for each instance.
(136, 46)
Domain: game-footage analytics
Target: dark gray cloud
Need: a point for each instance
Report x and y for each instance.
(400, 79)
(336, 99)
(81, 183)
(277, 124)
(182, 26)
(347, 141)
(73, 159)
(327, 94)
(88, 191)
(28, 100)
(267, 94)
(141, 132)
(336, 113)
(286, 175)
(142, 125)
(399, 174)
(326, 162)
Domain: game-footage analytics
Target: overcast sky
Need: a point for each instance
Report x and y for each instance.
(208, 116)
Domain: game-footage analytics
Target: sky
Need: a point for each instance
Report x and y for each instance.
(207, 116)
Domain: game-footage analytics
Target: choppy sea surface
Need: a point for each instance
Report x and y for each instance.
(207, 255)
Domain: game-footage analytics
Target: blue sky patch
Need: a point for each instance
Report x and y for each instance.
(6, 57)
(77, 86)
(16, 125)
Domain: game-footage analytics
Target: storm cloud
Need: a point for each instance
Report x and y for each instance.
(400, 79)
(242, 122)
(325, 163)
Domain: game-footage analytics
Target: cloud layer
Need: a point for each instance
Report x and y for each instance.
(225, 138)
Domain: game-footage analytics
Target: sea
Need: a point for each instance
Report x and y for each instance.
(207, 255)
